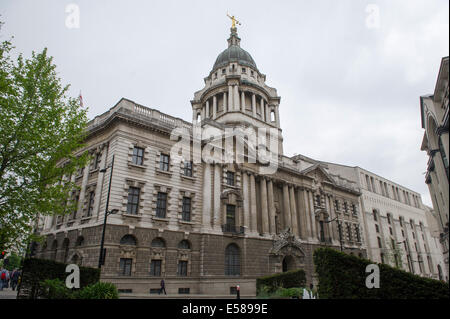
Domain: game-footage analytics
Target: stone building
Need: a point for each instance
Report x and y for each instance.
(223, 209)
(434, 114)
(399, 229)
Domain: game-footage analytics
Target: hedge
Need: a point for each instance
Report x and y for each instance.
(288, 279)
(343, 276)
(35, 271)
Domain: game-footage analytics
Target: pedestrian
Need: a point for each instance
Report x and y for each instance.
(15, 279)
(2, 278)
(238, 292)
(163, 287)
(312, 294)
(8, 277)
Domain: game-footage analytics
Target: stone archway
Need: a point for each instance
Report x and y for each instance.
(288, 263)
(286, 253)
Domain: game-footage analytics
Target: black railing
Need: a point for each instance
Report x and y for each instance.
(228, 228)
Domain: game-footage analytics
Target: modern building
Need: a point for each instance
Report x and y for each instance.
(206, 205)
(434, 114)
(399, 229)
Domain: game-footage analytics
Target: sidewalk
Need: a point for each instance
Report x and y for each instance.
(8, 293)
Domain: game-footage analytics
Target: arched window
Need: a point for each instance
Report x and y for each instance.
(128, 240)
(184, 244)
(158, 242)
(272, 116)
(232, 260)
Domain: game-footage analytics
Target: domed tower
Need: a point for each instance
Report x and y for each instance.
(235, 93)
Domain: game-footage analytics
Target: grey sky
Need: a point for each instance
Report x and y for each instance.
(349, 93)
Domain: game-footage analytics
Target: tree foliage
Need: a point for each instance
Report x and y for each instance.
(40, 129)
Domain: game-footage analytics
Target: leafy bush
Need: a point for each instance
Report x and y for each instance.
(343, 276)
(36, 271)
(99, 290)
(289, 279)
(289, 292)
(55, 289)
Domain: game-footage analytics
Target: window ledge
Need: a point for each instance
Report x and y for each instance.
(86, 218)
(230, 186)
(132, 165)
(160, 219)
(132, 215)
(188, 177)
(163, 172)
(93, 171)
(185, 222)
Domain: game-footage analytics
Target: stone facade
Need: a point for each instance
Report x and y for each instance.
(434, 114)
(398, 227)
(205, 226)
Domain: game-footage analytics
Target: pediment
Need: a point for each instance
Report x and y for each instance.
(319, 174)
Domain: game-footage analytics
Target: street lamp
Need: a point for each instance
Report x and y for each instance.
(101, 258)
(339, 228)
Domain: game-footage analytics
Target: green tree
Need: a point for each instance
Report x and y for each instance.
(40, 129)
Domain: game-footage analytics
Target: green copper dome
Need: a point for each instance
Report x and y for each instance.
(234, 53)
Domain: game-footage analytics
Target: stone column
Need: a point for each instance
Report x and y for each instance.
(264, 208)
(254, 105)
(312, 216)
(246, 202)
(293, 211)
(207, 196)
(236, 98)
(306, 213)
(217, 188)
(207, 109)
(214, 107)
(100, 178)
(277, 115)
(286, 207)
(253, 207)
(271, 207)
(83, 190)
(266, 107)
(243, 101)
(230, 98)
(203, 112)
(224, 102)
(263, 114)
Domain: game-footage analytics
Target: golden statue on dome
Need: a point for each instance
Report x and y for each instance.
(233, 21)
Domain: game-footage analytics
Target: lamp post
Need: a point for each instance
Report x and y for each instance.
(339, 228)
(101, 258)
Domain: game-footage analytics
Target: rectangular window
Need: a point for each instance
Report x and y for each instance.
(349, 233)
(125, 266)
(77, 199)
(336, 205)
(184, 291)
(91, 203)
(164, 162)
(161, 204)
(230, 178)
(353, 209)
(231, 215)
(377, 229)
(346, 207)
(375, 218)
(133, 200)
(379, 242)
(322, 232)
(390, 231)
(155, 268)
(182, 268)
(358, 235)
(186, 209)
(389, 218)
(138, 155)
(188, 168)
